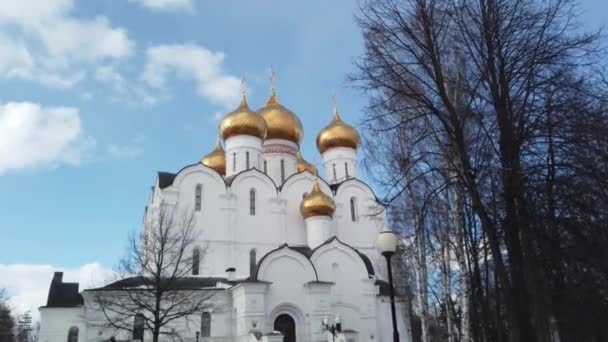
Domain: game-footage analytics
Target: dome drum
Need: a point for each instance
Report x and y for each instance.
(280, 146)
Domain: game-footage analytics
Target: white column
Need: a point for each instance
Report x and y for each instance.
(281, 159)
(340, 163)
(318, 230)
(243, 152)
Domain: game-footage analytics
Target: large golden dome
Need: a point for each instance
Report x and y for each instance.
(337, 134)
(317, 203)
(216, 159)
(281, 123)
(243, 121)
(304, 165)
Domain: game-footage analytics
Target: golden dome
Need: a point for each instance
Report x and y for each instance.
(317, 203)
(337, 134)
(281, 123)
(216, 159)
(304, 165)
(243, 121)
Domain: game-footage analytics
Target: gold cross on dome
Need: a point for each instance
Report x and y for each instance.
(243, 86)
(272, 76)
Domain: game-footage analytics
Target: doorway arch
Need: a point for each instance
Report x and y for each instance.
(287, 326)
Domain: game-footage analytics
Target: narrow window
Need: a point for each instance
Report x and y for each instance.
(353, 213)
(197, 197)
(73, 334)
(334, 167)
(138, 327)
(196, 260)
(265, 166)
(247, 160)
(206, 324)
(282, 170)
(252, 202)
(252, 261)
(234, 162)
(346, 169)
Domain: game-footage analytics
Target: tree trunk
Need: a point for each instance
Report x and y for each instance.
(458, 217)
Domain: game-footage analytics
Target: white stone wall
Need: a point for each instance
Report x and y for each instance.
(55, 323)
(237, 148)
(341, 159)
(318, 230)
(275, 151)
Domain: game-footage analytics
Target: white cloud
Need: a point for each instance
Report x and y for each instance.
(28, 285)
(192, 62)
(31, 135)
(168, 5)
(44, 42)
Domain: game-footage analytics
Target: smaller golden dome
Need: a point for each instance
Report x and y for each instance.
(281, 123)
(337, 134)
(317, 203)
(243, 121)
(216, 159)
(304, 165)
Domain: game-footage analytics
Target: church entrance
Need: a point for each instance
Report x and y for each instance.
(287, 326)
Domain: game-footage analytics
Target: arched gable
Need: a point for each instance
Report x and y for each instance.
(198, 168)
(262, 180)
(346, 188)
(363, 263)
(286, 252)
(304, 177)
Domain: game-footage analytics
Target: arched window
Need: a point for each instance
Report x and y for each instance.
(334, 167)
(353, 212)
(196, 260)
(198, 193)
(138, 327)
(282, 170)
(252, 261)
(73, 334)
(346, 169)
(252, 202)
(265, 166)
(206, 324)
(234, 161)
(247, 160)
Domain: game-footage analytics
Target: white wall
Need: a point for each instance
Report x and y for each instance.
(342, 159)
(237, 148)
(55, 323)
(276, 150)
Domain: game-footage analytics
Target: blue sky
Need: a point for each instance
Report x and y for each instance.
(98, 95)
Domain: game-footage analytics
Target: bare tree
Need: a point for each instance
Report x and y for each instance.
(494, 108)
(155, 290)
(7, 321)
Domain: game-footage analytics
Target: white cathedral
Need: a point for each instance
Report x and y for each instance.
(284, 250)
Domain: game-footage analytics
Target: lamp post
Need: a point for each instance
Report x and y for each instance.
(198, 333)
(334, 329)
(387, 244)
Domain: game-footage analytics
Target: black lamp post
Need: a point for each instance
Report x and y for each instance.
(334, 329)
(198, 333)
(387, 244)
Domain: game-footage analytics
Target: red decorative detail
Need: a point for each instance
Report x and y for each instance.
(275, 148)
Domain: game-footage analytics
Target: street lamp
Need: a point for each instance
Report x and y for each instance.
(334, 329)
(387, 244)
